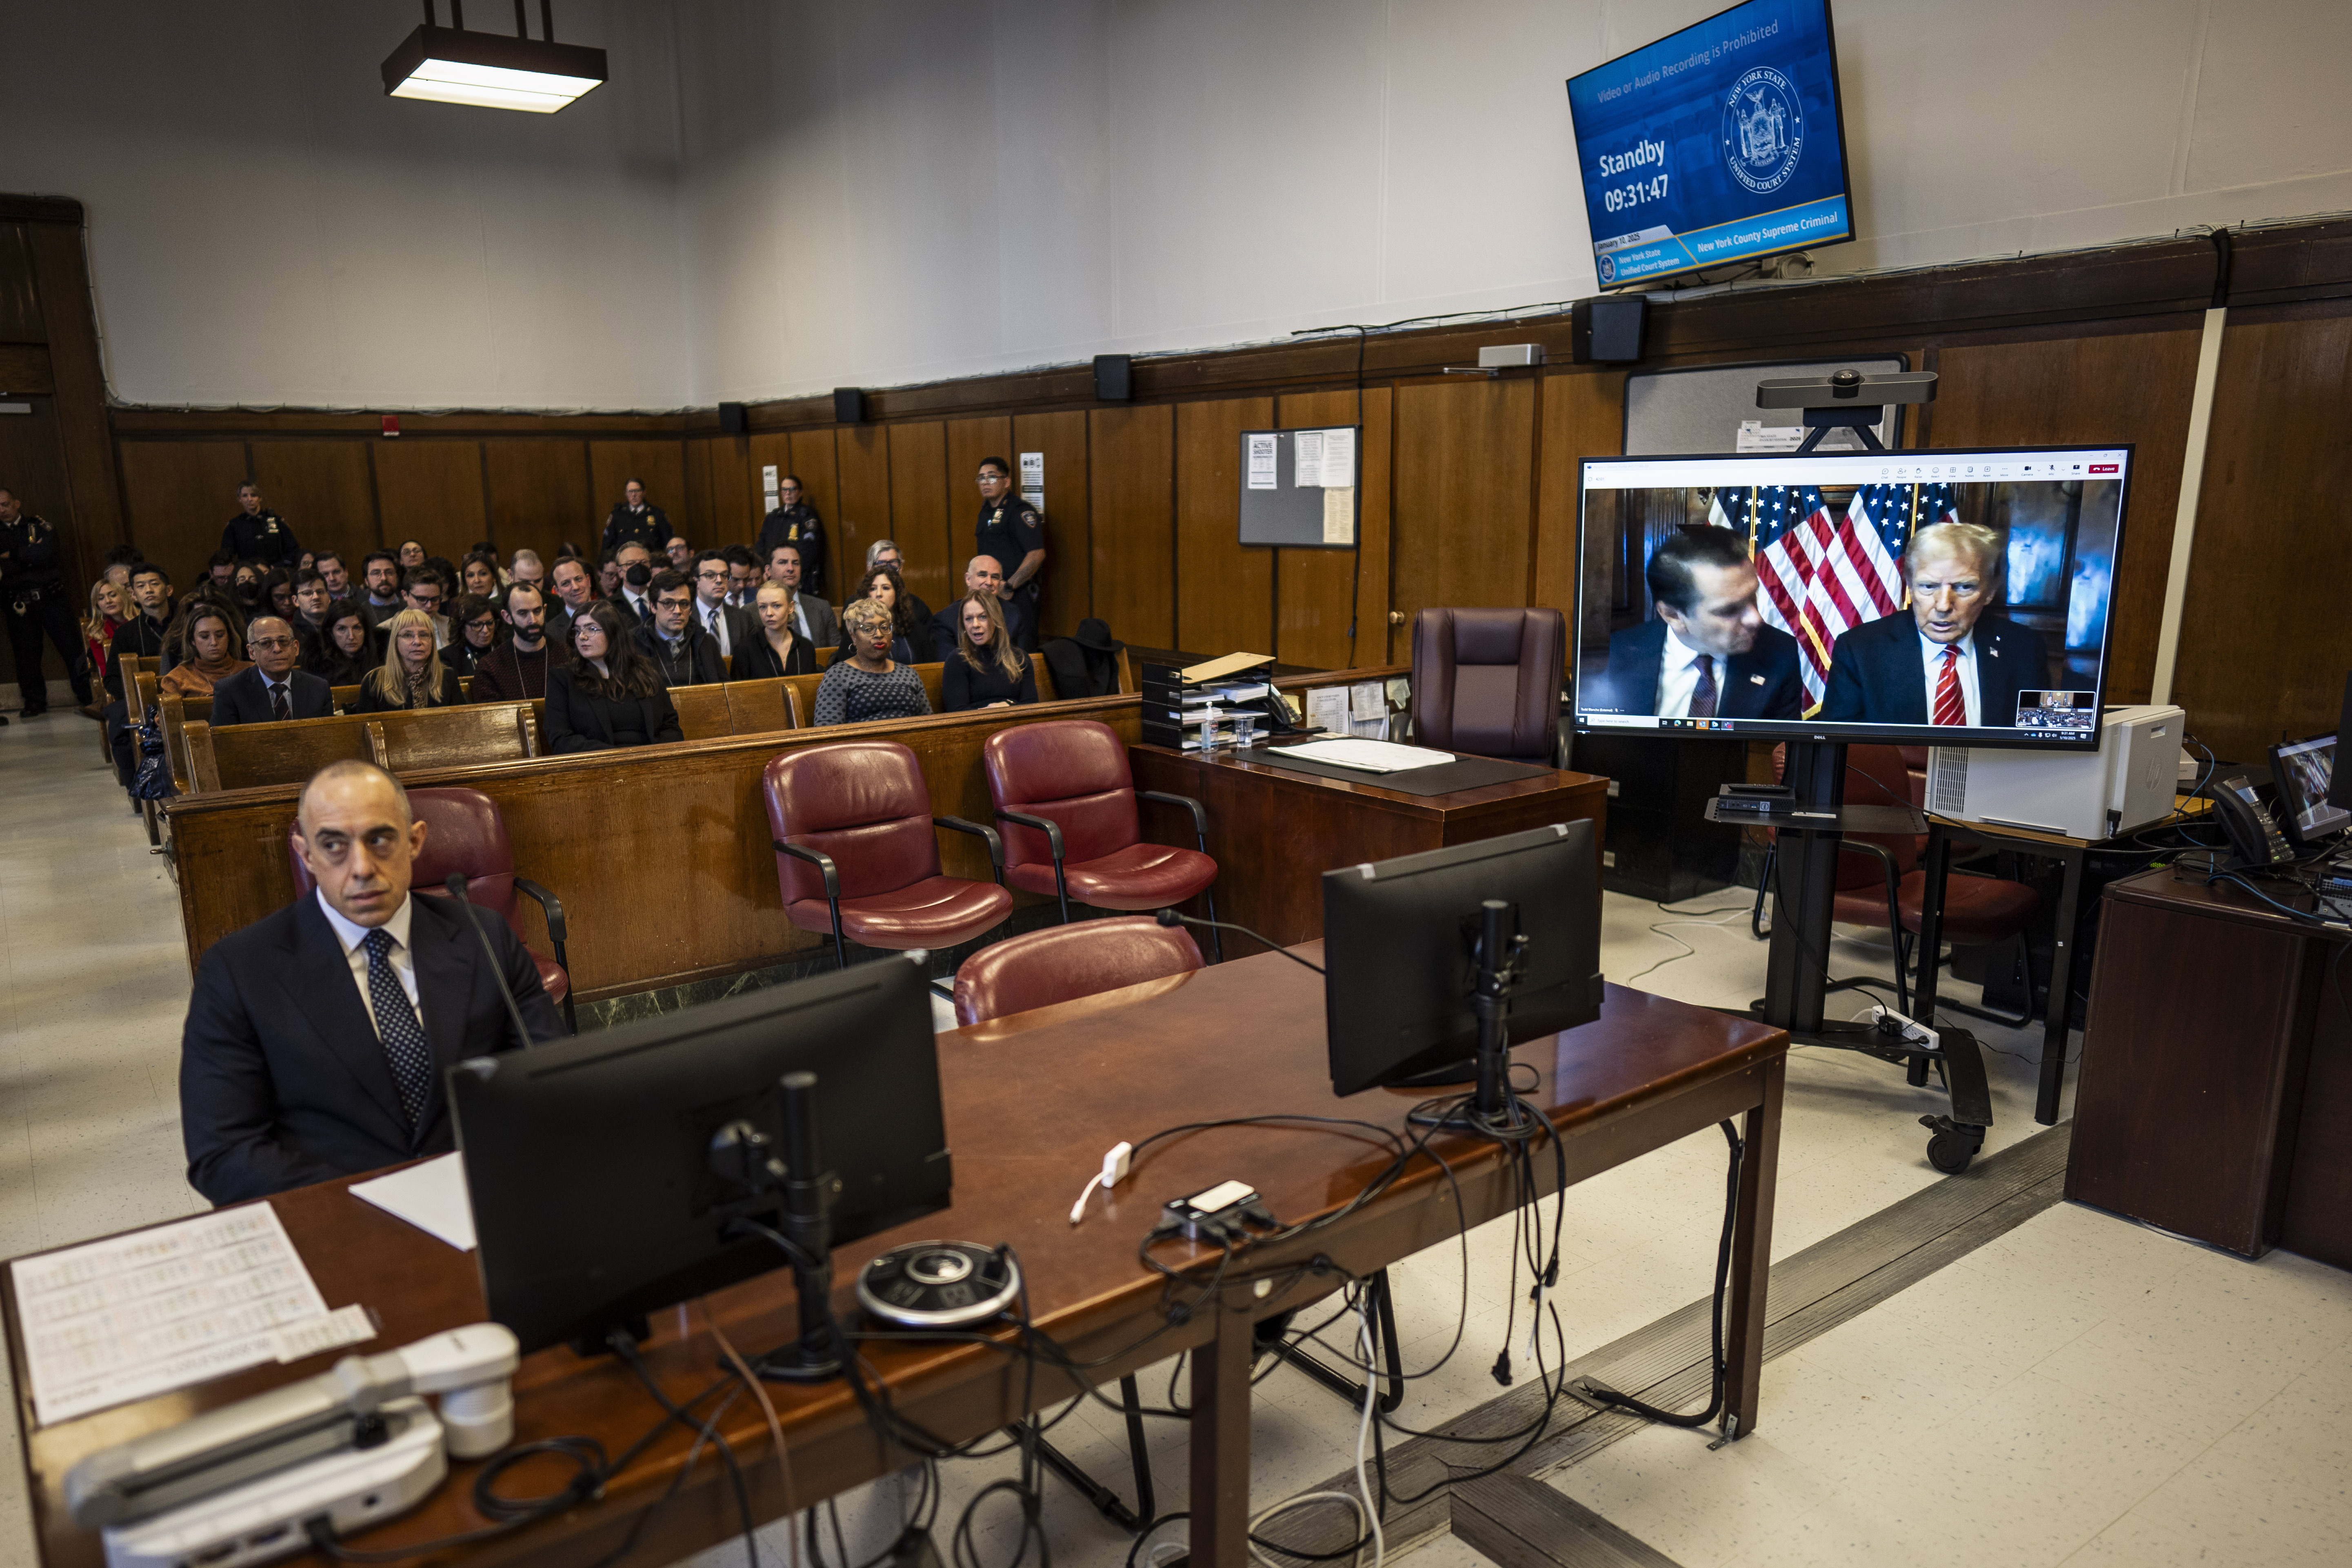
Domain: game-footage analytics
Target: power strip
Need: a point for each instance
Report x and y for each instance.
(1912, 1031)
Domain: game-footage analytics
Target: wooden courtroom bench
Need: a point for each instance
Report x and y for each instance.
(245, 756)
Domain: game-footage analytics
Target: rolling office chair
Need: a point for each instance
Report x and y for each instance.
(1487, 682)
(465, 831)
(855, 856)
(1066, 788)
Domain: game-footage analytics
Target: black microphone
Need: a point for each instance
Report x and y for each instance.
(456, 886)
(1176, 917)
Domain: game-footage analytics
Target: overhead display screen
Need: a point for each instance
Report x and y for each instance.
(1719, 143)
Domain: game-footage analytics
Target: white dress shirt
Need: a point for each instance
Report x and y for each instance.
(714, 621)
(402, 961)
(1931, 655)
(642, 609)
(1678, 677)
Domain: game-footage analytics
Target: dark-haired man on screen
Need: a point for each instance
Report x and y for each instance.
(1707, 654)
(1946, 660)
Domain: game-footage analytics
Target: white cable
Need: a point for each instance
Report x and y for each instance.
(1351, 1498)
(1363, 1431)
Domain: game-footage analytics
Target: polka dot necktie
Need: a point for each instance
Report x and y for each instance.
(396, 1023)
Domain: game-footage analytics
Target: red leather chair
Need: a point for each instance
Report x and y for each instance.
(1487, 682)
(1060, 963)
(1066, 788)
(856, 854)
(465, 831)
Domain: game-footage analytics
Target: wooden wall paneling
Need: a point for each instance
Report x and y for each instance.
(863, 454)
(1131, 476)
(1583, 414)
(1315, 586)
(539, 496)
(658, 465)
(431, 491)
(2263, 646)
(759, 449)
(813, 455)
(323, 490)
(730, 497)
(77, 379)
(179, 496)
(1463, 456)
(919, 511)
(969, 440)
(696, 517)
(1224, 594)
(2120, 387)
(1069, 513)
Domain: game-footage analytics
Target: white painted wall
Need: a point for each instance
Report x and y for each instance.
(776, 196)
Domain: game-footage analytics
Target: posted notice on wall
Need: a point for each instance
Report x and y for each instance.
(1339, 514)
(1032, 479)
(1263, 445)
(1324, 459)
(769, 487)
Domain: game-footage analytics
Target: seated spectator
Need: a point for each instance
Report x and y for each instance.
(910, 639)
(476, 626)
(220, 570)
(885, 552)
(985, 574)
(277, 593)
(681, 554)
(742, 576)
(310, 617)
(608, 576)
(412, 674)
(426, 589)
(176, 650)
(479, 574)
(245, 586)
(380, 577)
(679, 649)
(777, 648)
(609, 695)
(527, 568)
(271, 690)
(344, 655)
(515, 668)
(490, 551)
(411, 554)
(869, 684)
(215, 651)
(812, 616)
(109, 608)
(986, 671)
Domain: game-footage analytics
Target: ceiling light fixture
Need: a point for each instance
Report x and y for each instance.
(490, 70)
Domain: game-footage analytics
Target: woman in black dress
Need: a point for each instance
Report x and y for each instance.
(985, 670)
(340, 657)
(472, 633)
(910, 641)
(611, 694)
(412, 674)
(778, 649)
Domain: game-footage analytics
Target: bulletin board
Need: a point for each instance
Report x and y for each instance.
(1277, 507)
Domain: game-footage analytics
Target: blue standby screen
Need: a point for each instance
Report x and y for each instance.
(1715, 145)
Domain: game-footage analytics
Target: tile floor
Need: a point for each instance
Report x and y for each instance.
(2082, 1389)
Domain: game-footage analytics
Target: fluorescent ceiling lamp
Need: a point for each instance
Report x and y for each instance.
(490, 70)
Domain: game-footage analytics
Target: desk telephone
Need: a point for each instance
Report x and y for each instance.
(2253, 833)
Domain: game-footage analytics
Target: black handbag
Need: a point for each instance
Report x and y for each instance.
(152, 781)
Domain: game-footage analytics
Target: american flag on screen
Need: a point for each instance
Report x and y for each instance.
(1860, 578)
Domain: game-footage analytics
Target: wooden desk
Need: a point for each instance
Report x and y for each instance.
(1030, 1103)
(1274, 833)
(2214, 1097)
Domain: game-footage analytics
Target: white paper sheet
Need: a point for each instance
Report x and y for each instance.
(431, 1196)
(1261, 460)
(1755, 436)
(139, 1315)
(1371, 756)
(1339, 514)
(1339, 457)
(1032, 479)
(1306, 459)
(1327, 708)
(1367, 701)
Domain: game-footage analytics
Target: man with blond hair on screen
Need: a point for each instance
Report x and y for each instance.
(1946, 660)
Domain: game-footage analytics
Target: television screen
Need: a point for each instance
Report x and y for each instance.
(1721, 142)
(1916, 597)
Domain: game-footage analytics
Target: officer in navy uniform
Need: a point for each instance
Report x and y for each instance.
(1015, 533)
(33, 596)
(258, 533)
(795, 523)
(633, 520)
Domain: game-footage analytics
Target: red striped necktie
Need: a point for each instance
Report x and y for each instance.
(1949, 706)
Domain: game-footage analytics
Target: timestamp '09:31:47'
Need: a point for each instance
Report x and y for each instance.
(1624, 196)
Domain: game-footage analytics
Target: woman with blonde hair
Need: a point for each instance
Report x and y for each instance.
(110, 607)
(985, 670)
(216, 645)
(412, 674)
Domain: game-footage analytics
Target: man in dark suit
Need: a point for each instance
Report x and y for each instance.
(1707, 653)
(317, 1037)
(673, 640)
(985, 574)
(724, 626)
(575, 590)
(273, 688)
(1945, 661)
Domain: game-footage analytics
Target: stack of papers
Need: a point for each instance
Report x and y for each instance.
(1371, 756)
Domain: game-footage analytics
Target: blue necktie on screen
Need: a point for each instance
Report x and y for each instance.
(396, 1025)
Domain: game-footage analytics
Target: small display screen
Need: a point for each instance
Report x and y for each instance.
(2301, 773)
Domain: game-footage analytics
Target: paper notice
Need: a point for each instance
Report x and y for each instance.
(1032, 479)
(1260, 456)
(1327, 708)
(1755, 436)
(1367, 701)
(1339, 456)
(432, 1197)
(1306, 459)
(159, 1308)
(1339, 515)
(768, 485)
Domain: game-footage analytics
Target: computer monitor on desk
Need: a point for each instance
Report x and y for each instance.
(1403, 953)
(596, 1195)
(2304, 772)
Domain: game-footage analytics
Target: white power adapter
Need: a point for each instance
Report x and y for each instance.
(1116, 1162)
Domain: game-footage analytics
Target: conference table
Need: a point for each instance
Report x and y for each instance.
(1032, 1102)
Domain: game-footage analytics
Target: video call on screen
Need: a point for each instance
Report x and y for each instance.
(1948, 596)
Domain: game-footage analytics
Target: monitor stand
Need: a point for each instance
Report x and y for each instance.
(740, 1153)
(1492, 1111)
(1796, 976)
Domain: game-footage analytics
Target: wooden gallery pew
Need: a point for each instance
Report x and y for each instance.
(660, 854)
(244, 756)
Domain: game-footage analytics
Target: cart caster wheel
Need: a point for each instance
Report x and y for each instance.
(1955, 1143)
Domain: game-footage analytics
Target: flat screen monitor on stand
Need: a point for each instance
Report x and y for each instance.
(1917, 598)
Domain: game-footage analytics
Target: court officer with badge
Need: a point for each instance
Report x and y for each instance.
(1015, 533)
(33, 593)
(794, 522)
(258, 533)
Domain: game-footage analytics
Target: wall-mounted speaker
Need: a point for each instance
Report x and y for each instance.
(732, 421)
(848, 405)
(1609, 331)
(1114, 378)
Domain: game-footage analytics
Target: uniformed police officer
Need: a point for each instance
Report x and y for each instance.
(33, 597)
(258, 533)
(1015, 533)
(795, 523)
(635, 521)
